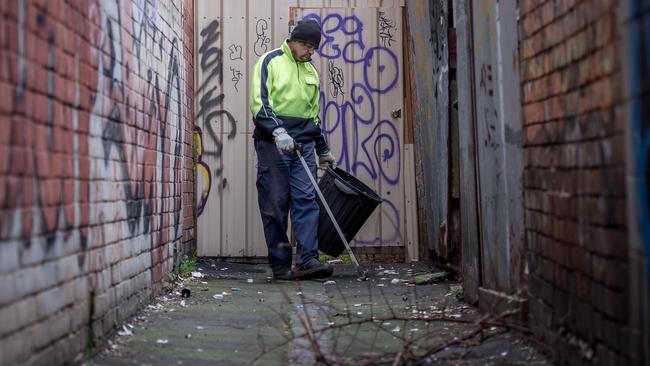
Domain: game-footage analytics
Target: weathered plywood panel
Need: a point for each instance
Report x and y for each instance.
(208, 122)
(233, 135)
(231, 36)
(499, 158)
(428, 29)
(470, 238)
(361, 82)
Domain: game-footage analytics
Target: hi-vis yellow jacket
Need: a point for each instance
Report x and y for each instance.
(285, 93)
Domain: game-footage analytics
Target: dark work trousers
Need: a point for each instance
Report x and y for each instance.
(283, 185)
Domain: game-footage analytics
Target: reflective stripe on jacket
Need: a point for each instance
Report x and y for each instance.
(286, 93)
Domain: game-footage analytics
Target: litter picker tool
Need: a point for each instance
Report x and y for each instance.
(363, 275)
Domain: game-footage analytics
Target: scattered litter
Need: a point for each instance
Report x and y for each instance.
(493, 328)
(380, 285)
(299, 293)
(261, 299)
(429, 278)
(385, 323)
(199, 350)
(125, 331)
(330, 323)
(359, 313)
(199, 327)
(250, 280)
(396, 329)
(413, 330)
(395, 281)
(335, 261)
(162, 341)
(504, 353)
(188, 336)
(183, 303)
(388, 272)
(330, 282)
(197, 275)
(218, 296)
(224, 269)
(186, 292)
(204, 283)
(155, 307)
(405, 298)
(236, 289)
(457, 316)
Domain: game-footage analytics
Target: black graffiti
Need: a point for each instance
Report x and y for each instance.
(262, 42)
(208, 102)
(236, 77)
(211, 102)
(235, 52)
(336, 80)
(386, 28)
(147, 34)
(163, 104)
(210, 55)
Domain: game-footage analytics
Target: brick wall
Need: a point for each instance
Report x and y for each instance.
(575, 177)
(96, 167)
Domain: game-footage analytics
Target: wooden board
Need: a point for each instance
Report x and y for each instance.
(470, 238)
(499, 146)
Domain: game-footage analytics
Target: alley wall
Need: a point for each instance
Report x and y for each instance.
(574, 178)
(96, 167)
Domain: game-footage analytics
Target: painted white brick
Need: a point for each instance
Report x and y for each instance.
(68, 268)
(96, 259)
(33, 279)
(16, 348)
(8, 291)
(52, 300)
(9, 255)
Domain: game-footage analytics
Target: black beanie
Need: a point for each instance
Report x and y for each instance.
(306, 31)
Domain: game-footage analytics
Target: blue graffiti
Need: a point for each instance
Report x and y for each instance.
(369, 144)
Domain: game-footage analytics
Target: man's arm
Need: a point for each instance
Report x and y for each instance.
(263, 115)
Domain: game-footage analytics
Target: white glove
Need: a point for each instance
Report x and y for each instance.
(327, 160)
(283, 141)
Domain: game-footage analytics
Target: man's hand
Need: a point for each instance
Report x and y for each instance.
(326, 160)
(283, 141)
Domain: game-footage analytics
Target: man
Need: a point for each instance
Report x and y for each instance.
(285, 91)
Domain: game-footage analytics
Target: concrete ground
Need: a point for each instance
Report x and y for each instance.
(236, 316)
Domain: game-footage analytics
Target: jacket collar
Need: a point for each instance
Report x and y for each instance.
(287, 50)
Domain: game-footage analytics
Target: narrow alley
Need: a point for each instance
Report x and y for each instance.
(336, 182)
